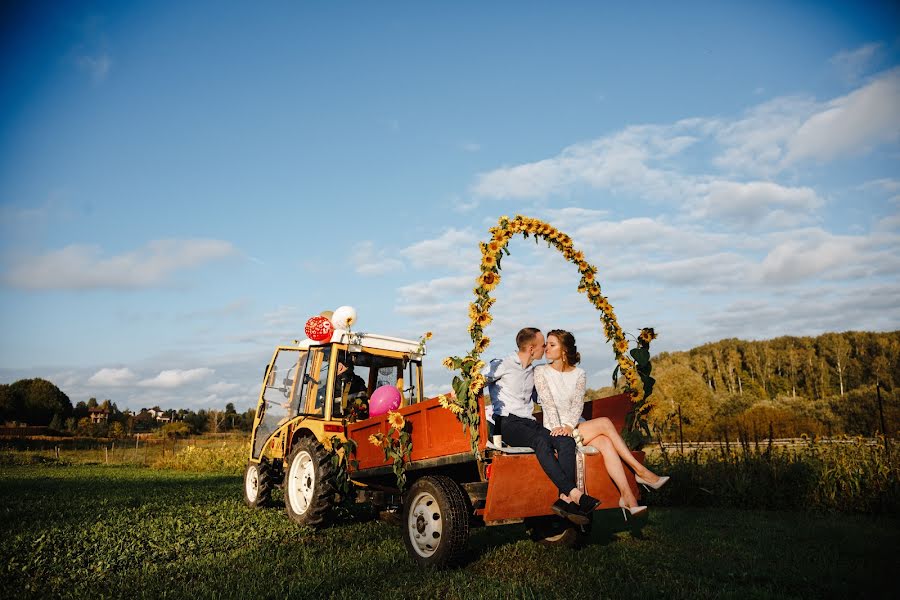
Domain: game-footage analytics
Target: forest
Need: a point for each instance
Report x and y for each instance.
(784, 387)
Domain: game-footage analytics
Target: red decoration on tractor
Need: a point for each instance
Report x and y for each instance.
(319, 329)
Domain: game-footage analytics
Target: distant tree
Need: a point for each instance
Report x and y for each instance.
(56, 422)
(215, 418)
(229, 409)
(116, 430)
(35, 401)
(81, 410)
(92, 403)
(175, 430)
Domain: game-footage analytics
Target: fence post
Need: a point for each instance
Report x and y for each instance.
(680, 432)
(57, 453)
(106, 453)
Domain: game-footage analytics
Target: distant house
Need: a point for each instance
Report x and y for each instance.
(99, 415)
(159, 415)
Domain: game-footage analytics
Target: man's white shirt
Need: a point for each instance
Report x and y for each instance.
(511, 387)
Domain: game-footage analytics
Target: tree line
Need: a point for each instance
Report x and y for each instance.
(39, 402)
(787, 386)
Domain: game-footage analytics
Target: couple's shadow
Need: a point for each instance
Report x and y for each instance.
(603, 531)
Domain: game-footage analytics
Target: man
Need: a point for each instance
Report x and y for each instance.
(511, 386)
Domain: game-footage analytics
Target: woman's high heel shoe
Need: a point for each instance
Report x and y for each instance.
(634, 510)
(587, 449)
(659, 482)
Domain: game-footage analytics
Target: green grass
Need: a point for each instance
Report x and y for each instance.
(116, 531)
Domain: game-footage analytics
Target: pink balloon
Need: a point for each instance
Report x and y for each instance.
(384, 399)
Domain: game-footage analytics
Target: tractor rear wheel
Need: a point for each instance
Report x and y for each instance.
(309, 483)
(435, 522)
(257, 484)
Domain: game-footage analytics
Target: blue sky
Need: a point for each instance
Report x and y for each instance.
(183, 184)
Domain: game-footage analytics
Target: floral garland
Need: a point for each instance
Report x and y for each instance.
(397, 446)
(467, 386)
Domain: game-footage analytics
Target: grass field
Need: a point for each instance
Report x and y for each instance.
(119, 531)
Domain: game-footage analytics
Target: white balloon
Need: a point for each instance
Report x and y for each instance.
(344, 317)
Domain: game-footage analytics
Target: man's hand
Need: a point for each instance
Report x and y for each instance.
(564, 430)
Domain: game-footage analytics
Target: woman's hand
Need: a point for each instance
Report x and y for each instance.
(564, 430)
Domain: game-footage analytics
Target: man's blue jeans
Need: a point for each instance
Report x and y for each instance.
(556, 454)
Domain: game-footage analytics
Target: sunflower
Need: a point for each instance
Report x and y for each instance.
(579, 256)
(488, 261)
(484, 319)
(589, 276)
(621, 346)
(582, 289)
(647, 336)
(328, 444)
(494, 246)
(396, 420)
(482, 344)
(449, 363)
(489, 280)
(376, 438)
(428, 335)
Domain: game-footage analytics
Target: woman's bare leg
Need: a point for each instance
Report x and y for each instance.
(614, 468)
(591, 430)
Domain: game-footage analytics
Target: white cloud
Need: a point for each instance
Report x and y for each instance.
(222, 387)
(633, 160)
(804, 254)
(369, 260)
(854, 63)
(754, 143)
(173, 378)
(81, 267)
(96, 66)
(852, 123)
(453, 248)
(112, 377)
(748, 204)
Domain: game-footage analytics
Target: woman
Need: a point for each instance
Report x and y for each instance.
(560, 386)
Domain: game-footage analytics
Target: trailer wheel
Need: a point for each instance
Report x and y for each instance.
(309, 483)
(435, 522)
(554, 531)
(257, 484)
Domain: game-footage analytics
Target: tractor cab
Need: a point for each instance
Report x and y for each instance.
(314, 388)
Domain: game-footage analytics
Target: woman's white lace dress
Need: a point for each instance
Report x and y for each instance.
(561, 395)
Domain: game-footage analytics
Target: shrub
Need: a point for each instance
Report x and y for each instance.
(849, 475)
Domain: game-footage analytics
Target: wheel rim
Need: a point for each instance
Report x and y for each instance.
(251, 483)
(301, 482)
(425, 524)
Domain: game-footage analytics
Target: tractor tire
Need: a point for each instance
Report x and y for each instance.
(554, 531)
(435, 522)
(309, 490)
(257, 484)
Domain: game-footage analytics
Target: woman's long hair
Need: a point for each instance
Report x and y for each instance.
(570, 350)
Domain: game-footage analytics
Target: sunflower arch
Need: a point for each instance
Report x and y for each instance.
(468, 385)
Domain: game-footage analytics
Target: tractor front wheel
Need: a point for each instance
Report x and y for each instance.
(257, 484)
(309, 483)
(435, 522)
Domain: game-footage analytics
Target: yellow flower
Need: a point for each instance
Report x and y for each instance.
(376, 438)
(484, 319)
(482, 344)
(488, 261)
(589, 276)
(478, 366)
(428, 335)
(473, 311)
(396, 420)
(449, 363)
(581, 289)
(489, 280)
(327, 444)
(494, 247)
(621, 346)
(579, 256)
